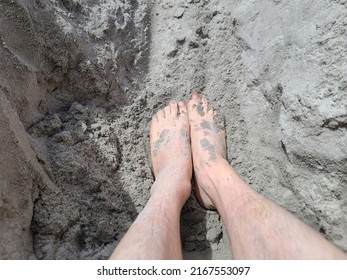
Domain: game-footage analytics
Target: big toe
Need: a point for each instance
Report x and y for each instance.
(198, 106)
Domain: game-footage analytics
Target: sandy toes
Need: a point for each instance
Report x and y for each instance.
(208, 144)
(170, 147)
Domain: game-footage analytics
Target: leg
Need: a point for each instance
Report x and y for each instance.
(155, 234)
(257, 228)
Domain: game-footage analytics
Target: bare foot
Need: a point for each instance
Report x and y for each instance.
(171, 152)
(208, 145)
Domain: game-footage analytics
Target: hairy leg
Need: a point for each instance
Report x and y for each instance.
(257, 228)
(155, 234)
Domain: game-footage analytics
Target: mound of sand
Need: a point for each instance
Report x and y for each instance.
(80, 80)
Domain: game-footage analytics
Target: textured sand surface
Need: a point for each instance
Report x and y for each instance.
(80, 80)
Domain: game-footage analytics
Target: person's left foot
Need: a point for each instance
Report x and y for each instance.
(170, 151)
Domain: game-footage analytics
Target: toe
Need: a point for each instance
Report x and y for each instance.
(218, 121)
(195, 96)
(204, 104)
(173, 108)
(155, 118)
(182, 108)
(160, 114)
(193, 103)
(167, 111)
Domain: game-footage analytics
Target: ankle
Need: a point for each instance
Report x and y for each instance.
(171, 187)
(209, 173)
(174, 176)
(164, 203)
(222, 183)
(169, 200)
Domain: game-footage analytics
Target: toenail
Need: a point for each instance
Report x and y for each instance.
(195, 96)
(181, 103)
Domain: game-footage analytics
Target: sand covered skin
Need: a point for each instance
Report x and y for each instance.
(80, 81)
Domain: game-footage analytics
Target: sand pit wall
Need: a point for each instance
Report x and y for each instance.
(80, 80)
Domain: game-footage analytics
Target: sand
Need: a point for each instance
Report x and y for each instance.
(80, 80)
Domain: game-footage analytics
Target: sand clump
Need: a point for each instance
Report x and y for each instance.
(80, 80)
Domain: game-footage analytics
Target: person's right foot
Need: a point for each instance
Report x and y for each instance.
(208, 146)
